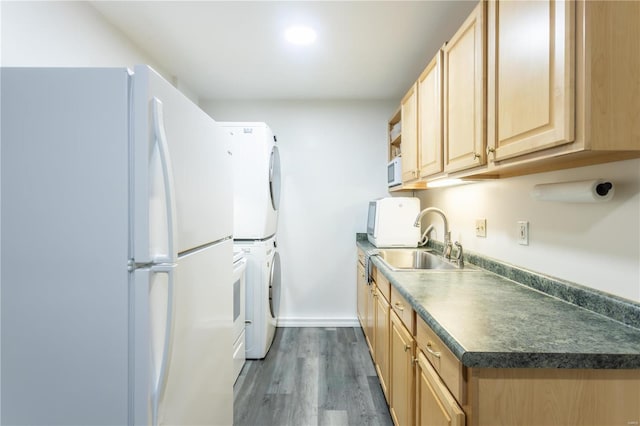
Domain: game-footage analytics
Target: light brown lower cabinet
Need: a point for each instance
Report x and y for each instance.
(373, 314)
(558, 396)
(401, 379)
(426, 385)
(448, 393)
(381, 350)
(365, 301)
(369, 321)
(362, 290)
(435, 406)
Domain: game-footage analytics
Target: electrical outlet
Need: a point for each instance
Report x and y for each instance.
(481, 228)
(523, 232)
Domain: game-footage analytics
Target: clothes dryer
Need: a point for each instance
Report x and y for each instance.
(262, 288)
(256, 179)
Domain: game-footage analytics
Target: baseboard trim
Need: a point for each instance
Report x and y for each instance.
(318, 322)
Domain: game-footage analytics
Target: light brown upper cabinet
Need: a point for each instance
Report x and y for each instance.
(409, 144)
(527, 86)
(562, 84)
(464, 95)
(531, 76)
(430, 118)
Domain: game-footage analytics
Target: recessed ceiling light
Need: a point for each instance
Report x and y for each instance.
(300, 35)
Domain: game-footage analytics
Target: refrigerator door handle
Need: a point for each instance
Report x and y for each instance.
(159, 378)
(167, 175)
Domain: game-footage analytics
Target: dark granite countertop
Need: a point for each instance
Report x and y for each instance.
(489, 321)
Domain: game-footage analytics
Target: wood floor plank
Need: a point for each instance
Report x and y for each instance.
(303, 403)
(282, 381)
(333, 418)
(310, 377)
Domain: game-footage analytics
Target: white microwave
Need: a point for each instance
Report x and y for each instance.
(394, 172)
(390, 222)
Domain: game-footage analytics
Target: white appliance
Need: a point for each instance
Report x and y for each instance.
(256, 199)
(116, 252)
(263, 294)
(256, 179)
(394, 172)
(239, 300)
(391, 222)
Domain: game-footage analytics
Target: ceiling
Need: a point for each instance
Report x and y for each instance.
(236, 49)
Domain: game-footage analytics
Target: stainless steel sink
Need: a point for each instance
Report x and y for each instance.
(417, 259)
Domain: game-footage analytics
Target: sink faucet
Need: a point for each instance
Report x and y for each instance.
(459, 254)
(446, 252)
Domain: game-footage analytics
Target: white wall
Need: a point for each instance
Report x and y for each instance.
(62, 34)
(68, 34)
(597, 245)
(333, 160)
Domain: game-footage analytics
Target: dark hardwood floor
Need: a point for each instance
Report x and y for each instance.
(311, 376)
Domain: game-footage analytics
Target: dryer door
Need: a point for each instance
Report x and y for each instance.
(274, 286)
(274, 178)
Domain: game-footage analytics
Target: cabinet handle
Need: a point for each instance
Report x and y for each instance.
(399, 306)
(414, 360)
(476, 155)
(491, 150)
(431, 351)
(407, 347)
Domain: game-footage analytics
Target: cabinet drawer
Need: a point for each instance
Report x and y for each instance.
(383, 285)
(403, 309)
(361, 256)
(443, 360)
(436, 404)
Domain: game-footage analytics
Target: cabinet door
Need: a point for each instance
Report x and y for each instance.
(435, 406)
(531, 76)
(363, 290)
(401, 376)
(430, 118)
(370, 318)
(382, 342)
(409, 144)
(464, 95)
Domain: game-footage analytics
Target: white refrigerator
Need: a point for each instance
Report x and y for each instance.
(116, 254)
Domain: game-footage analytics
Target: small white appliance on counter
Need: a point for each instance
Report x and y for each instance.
(116, 252)
(390, 222)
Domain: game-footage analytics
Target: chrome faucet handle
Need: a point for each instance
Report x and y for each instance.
(446, 252)
(459, 252)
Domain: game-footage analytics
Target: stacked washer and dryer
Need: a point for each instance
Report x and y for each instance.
(256, 180)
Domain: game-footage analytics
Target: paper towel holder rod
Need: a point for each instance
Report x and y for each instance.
(587, 191)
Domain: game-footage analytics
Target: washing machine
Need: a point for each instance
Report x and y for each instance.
(262, 291)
